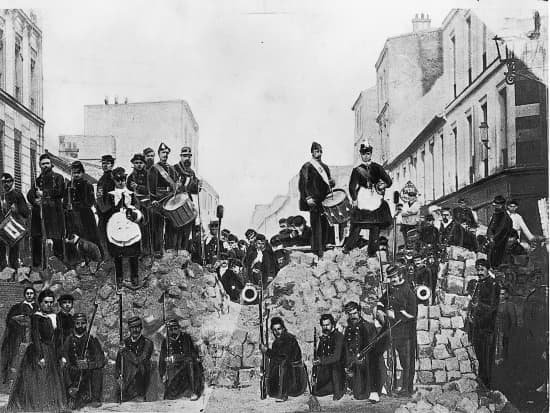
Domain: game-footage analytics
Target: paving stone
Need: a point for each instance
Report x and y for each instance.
(439, 408)
(465, 366)
(449, 399)
(461, 302)
(455, 284)
(425, 350)
(448, 298)
(455, 342)
(466, 385)
(461, 354)
(441, 340)
(445, 322)
(434, 325)
(425, 364)
(423, 406)
(447, 332)
(434, 311)
(457, 322)
(422, 312)
(425, 377)
(424, 338)
(448, 310)
(453, 375)
(440, 376)
(465, 405)
(422, 324)
(441, 353)
(451, 364)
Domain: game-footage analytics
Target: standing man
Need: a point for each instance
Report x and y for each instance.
(162, 182)
(286, 375)
(190, 185)
(211, 243)
(137, 183)
(482, 312)
(65, 321)
(180, 366)
(498, 231)
(104, 207)
(149, 154)
(429, 235)
(410, 215)
(330, 361)
(518, 223)
(358, 334)
(48, 190)
(399, 303)
(263, 265)
(85, 360)
(450, 232)
(230, 280)
(367, 184)
(133, 363)
(314, 185)
(13, 202)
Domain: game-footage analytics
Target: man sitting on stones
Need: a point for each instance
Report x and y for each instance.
(358, 334)
(281, 255)
(133, 363)
(286, 375)
(330, 361)
(303, 236)
(180, 366)
(513, 249)
(231, 282)
(85, 360)
(65, 321)
(263, 266)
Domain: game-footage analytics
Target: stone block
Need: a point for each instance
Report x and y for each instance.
(328, 291)
(434, 325)
(105, 291)
(424, 338)
(473, 396)
(461, 302)
(465, 405)
(334, 276)
(447, 332)
(457, 322)
(422, 312)
(455, 268)
(423, 406)
(425, 364)
(445, 322)
(451, 364)
(465, 385)
(461, 354)
(439, 408)
(470, 269)
(35, 277)
(465, 366)
(425, 377)
(8, 273)
(438, 364)
(434, 311)
(460, 254)
(425, 350)
(449, 399)
(459, 333)
(308, 259)
(448, 298)
(453, 375)
(448, 310)
(401, 409)
(441, 340)
(422, 324)
(341, 286)
(465, 341)
(440, 352)
(455, 284)
(440, 376)
(455, 342)
(483, 409)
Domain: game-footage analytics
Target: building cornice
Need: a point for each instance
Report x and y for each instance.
(16, 105)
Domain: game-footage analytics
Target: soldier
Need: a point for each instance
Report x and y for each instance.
(13, 202)
(47, 194)
(423, 276)
(162, 182)
(104, 207)
(229, 279)
(149, 154)
(180, 365)
(429, 235)
(262, 264)
(211, 243)
(286, 375)
(281, 255)
(399, 303)
(482, 311)
(133, 363)
(330, 361)
(137, 183)
(450, 232)
(65, 321)
(498, 231)
(84, 360)
(190, 185)
(358, 334)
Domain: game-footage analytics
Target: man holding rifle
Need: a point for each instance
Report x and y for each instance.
(180, 366)
(84, 365)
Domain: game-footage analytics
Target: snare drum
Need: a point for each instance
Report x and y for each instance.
(11, 230)
(337, 207)
(180, 210)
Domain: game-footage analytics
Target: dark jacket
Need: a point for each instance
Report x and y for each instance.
(53, 186)
(15, 197)
(103, 201)
(311, 185)
(188, 178)
(363, 176)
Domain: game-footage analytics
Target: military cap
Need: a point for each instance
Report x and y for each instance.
(173, 322)
(107, 158)
(513, 202)
(186, 150)
(77, 166)
(275, 241)
(134, 321)
(214, 223)
(65, 297)
(249, 233)
(394, 270)
(316, 146)
(298, 220)
(482, 262)
(232, 238)
(138, 157)
(80, 316)
(282, 221)
(499, 200)
(148, 151)
(163, 147)
(260, 237)
(7, 177)
(365, 147)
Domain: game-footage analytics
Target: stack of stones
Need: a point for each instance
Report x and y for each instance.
(459, 270)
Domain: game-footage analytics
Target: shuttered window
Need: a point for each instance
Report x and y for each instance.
(33, 161)
(17, 157)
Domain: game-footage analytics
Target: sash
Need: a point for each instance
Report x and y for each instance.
(165, 175)
(364, 173)
(320, 170)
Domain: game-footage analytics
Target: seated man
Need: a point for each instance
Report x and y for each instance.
(304, 231)
(282, 256)
(231, 282)
(513, 249)
(180, 365)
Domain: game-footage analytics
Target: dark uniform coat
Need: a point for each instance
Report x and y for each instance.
(331, 375)
(142, 193)
(160, 188)
(311, 185)
(186, 374)
(232, 284)
(21, 214)
(357, 337)
(498, 231)
(81, 220)
(135, 359)
(65, 325)
(53, 186)
(265, 269)
(452, 234)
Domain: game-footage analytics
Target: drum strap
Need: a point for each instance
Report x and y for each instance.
(165, 175)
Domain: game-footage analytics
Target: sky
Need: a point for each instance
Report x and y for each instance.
(264, 78)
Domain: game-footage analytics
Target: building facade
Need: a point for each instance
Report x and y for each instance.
(21, 95)
(87, 148)
(481, 136)
(366, 128)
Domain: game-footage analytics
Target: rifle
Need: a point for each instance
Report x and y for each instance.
(314, 368)
(88, 334)
(167, 337)
(391, 355)
(121, 339)
(263, 383)
(365, 350)
(42, 230)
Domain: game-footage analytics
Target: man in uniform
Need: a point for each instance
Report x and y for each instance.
(429, 235)
(137, 182)
(263, 265)
(190, 185)
(450, 232)
(149, 154)
(286, 374)
(65, 321)
(401, 306)
(231, 282)
(104, 207)
(46, 194)
(314, 185)
(162, 181)
(358, 334)
(84, 360)
(498, 231)
(18, 323)
(330, 362)
(482, 312)
(180, 366)
(13, 202)
(211, 243)
(280, 254)
(133, 363)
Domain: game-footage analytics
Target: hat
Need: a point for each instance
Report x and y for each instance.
(260, 237)
(173, 322)
(499, 200)
(7, 177)
(225, 231)
(482, 262)
(249, 233)
(224, 256)
(186, 150)
(65, 297)
(214, 223)
(134, 321)
(138, 157)
(80, 316)
(365, 147)
(316, 146)
(107, 158)
(44, 156)
(147, 151)
(429, 217)
(282, 221)
(232, 238)
(163, 147)
(393, 270)
(77, 166)
(275, 240)
(352, 305)
(119, 173)
(513, 202)
(298, 220)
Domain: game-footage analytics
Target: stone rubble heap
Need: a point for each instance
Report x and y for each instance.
(459, 270)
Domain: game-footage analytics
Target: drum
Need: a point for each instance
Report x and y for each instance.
(11, 230)
(121, 231)
(337, 207)
(180, 210)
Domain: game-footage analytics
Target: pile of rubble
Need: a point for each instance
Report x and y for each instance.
(459, 270)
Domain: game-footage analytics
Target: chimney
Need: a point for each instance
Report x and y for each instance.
(116, 100)
(422, 22)
(106, 100)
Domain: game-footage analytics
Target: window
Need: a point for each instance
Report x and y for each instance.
(453, 63)
(484, 47)
(18, 69)
(455, 136)
(17, 158)
(433, 168)
(34, 83)
(503, 127)
(2, 60)
(486, 153)
(442, 163)
(471, 147)
(33, 160)
(2, 146)
(469, 51)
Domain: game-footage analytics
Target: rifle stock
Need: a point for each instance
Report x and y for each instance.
(263, 386)
(42, 230)
(314, 368)
(121, 338)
